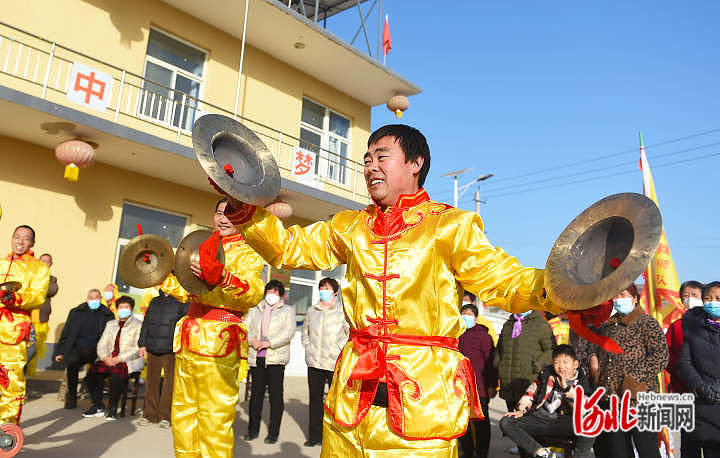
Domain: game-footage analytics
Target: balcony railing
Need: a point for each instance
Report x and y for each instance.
(45, 68)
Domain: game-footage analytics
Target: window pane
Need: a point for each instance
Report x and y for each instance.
(309, 140)
(313, 114)
(339, 125)
(306, 274)
(155, 97)
(301, 297)
(170, 227)
(175, 53)
(192, 88)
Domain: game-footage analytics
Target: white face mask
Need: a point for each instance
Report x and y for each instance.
(692, 302)
(272, 299)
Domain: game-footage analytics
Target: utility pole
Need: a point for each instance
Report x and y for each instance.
(455, 174)
(477, 202)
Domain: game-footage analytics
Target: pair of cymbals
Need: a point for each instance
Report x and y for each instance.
(148, 259)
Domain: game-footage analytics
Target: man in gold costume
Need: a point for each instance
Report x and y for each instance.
(15, 318)
(400, 387)
(210, 343)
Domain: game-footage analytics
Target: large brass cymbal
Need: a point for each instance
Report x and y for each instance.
(145, 261)
(11, 286)
(578, 274)
(187, 253)
(236, 159)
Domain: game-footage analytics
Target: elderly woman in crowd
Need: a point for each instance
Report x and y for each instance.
(271, 326)
(636, 370)
(117, 358)
(699, 367)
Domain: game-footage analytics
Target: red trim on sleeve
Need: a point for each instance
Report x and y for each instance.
(241, 215)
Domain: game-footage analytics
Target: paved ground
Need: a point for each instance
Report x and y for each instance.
(51, 431)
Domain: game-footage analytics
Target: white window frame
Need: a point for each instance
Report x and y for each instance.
(325, 135)
(122, 241)
(170, 113)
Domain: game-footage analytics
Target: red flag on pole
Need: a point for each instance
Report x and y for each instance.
(386, 42)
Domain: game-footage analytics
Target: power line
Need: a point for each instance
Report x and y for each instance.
(584, 172)
(667, 164)
(598, 158)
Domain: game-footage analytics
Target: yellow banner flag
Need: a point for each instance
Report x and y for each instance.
(661, 294)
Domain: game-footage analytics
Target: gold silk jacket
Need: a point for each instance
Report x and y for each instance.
(213, 325)
(406, 271)
(35, 277)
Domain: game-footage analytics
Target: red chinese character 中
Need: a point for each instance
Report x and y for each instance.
(90, 88)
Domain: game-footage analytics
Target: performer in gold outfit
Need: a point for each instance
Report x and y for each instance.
(210, 343)
(15, 321)
(400, 387)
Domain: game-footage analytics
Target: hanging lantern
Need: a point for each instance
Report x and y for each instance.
(282, 210)
(397, 104)
(74, 154)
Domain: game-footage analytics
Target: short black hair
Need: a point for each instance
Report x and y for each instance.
(275, 284)
(331, 282)
(25, 226)
(46, 254)
(563, 349)
(412, 142)
(222, 199)
(470, 307)
(125, 300)
(472, 297)
(713, 284)
(690, 284)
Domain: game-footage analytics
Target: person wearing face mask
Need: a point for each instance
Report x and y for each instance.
(525, 346)
(324, 334)
(210, 342)
(109, 295)
(78, 341)
(645, 355)
(117, 358)
(699, 367)
(271, 326)
(477, 345)
(470, 298)
(15, 317)
(691, 295)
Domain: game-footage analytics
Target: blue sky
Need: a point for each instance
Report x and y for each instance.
(524, 89)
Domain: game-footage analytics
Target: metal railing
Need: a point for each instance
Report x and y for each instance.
(144, 104)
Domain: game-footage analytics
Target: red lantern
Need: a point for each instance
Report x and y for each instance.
(74, 154)
(397, 104)
(282, 210)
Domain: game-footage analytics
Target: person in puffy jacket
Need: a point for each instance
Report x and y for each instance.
(156, 342)
(271, 326)
(324, 335)
(117, 357)
(699, 368)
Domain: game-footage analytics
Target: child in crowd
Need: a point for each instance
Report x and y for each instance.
(545, 411)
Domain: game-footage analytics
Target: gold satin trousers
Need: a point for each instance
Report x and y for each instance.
(373, 438)
(205, 394)
(13, 358)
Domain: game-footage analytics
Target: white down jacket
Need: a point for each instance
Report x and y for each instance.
(280, 333)
(128, 343)
(324, 335)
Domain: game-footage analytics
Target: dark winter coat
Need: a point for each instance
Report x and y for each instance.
(699, 367)
(519, 360)
(74, 325)
(158, 327)
(477, 345)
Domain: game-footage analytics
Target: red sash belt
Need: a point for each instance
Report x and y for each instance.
(371, 364)
(22, 327)
(6, 311)
(208, 312)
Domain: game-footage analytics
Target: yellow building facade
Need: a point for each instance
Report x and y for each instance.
(300, 88)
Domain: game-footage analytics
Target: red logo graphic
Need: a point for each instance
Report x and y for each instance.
(303, 163)
(589, 420)
(90, 88)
